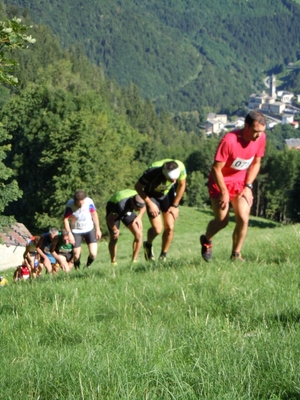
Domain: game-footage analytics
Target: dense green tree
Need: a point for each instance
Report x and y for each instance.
(63, 142)
(293, 204)
(202, 158)
(13, 35)
(197, 193)
(9, 190)
(281, 179)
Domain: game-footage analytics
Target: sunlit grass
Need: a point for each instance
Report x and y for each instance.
(183, 329)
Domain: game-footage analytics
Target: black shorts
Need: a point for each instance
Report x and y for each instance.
(126, 219)
(89, 237)
(163, 203)
(68, 256)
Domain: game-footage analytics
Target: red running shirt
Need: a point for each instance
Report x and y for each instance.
(238, 155)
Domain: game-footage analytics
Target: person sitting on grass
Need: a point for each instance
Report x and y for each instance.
(62, 250)
(43, 249)
(22, 272)
(37, 268)
(30, 251)
(121, 207)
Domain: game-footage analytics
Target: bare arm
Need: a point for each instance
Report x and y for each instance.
(250, 178)
(219, 179)
(95, 219)
(138, 219)
(253, 170)
(152, 208)
(26, 253)
(174, 210)
(68, 229)
(38, 247)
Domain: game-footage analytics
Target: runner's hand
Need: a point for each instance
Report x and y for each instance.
(248, 195)
(116, 234)
(174, 211)
(71, 238)
(224, 200)
(153, 210)
(138, 223)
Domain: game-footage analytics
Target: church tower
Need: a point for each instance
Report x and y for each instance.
(273, 87)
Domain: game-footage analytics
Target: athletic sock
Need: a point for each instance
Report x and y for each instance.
(89, 261)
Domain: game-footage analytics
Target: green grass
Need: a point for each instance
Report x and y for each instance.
(183, 329)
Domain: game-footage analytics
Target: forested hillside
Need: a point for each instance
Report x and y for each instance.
(184, 55)
(69, 126)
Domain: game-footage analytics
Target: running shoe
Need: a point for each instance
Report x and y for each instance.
(114, 263)
(163, 258)
(235, 256)
(148, 252)
(206, 248)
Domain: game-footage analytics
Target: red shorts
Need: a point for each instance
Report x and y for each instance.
(234, 188)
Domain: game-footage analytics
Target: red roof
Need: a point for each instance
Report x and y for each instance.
(15, 235)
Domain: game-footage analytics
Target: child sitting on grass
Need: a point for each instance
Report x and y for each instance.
(22, 272)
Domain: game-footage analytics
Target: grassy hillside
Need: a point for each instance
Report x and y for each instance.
(182, 329)
(184, 55)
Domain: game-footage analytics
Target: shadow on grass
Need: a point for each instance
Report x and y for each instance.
(291, 396)
(146, 266)
(285, 318)
(8, 309)
(76, 274)
(257, 223)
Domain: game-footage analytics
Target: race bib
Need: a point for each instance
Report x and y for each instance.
(240, 164)
(81, 224)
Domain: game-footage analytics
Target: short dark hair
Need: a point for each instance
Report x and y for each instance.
(64, 232)
(170, 166)
(79, 195)
(255, 116)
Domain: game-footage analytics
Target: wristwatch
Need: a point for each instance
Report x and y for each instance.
(175, 205)
(249, 185)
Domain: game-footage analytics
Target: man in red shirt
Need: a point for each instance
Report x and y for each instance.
(236, 165)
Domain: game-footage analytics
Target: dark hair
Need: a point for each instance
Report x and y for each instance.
(64, 232)
(79, 195)
(255, 116)
(170, 166)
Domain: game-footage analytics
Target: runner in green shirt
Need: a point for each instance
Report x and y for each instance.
(121, 207)
(157, 187)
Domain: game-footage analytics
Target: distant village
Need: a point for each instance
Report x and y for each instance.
(277, 106)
